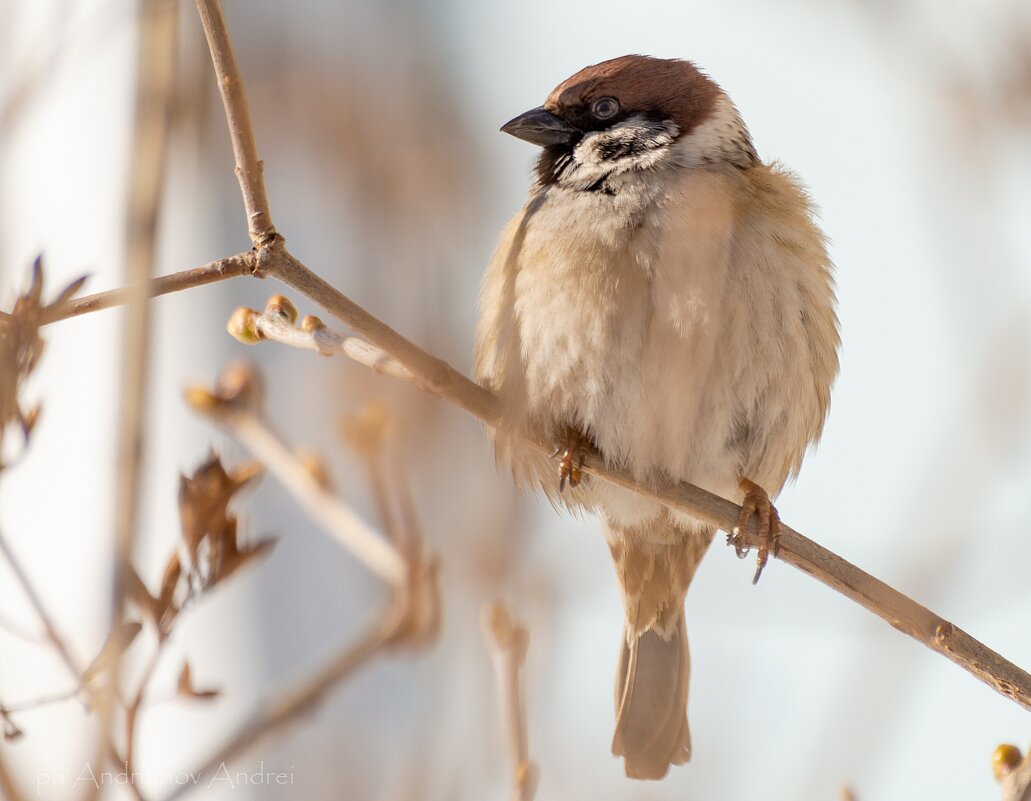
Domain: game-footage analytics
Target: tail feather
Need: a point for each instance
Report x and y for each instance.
(655, 565)
(651, 703)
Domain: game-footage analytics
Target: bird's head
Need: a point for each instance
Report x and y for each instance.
(632, 114)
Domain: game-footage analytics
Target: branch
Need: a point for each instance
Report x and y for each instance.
(155, 89)
(507, 642)
(240, 264)
(277, 323)
(226, 408)
(248, 168)
(412, 615)
(49, 628)
(62, 649)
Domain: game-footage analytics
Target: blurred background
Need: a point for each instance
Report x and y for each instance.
(378, 123)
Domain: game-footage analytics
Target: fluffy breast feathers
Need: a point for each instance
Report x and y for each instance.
(686, 323)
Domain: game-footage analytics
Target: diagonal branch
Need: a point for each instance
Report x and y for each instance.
(336, 518)
(887, 603)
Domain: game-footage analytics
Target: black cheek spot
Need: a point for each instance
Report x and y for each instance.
(616, 149)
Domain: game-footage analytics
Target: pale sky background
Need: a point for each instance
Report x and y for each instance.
(909, 122)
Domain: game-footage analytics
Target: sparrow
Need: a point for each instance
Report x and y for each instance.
(663, 303)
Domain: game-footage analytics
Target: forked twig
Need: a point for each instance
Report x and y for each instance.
(243, 422)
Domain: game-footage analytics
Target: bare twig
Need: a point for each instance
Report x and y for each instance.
(244, 424)
(155, 84)
(156, 52)
(43, 700)
(16, 630)
(240, 264)
(427, 371)
(234, 98)
(507, 641)
(277, 324)
(59, 646)
(412, 615)
(41, 611)
(367, 434)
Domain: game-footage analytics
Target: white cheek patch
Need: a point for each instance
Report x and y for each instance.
(722, 138)
(636, 143)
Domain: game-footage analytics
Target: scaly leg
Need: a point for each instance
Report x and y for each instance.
(757, 502)
(573, 447)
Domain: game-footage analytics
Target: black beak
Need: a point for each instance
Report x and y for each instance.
(540, 127)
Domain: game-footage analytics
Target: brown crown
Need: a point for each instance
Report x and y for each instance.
(673, 88)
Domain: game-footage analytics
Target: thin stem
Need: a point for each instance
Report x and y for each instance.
(59, 646)
(249, 168)
(507, 643)
(427, 371)
(321, 505)
(240, 264)
(44, 700)
(156, 52)
(327, 342)
(49, 629)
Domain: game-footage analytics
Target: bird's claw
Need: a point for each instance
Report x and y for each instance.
(573, 449)
(757, 502)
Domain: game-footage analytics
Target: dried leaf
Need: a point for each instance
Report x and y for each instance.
(210, 532)
(186, 689)
(203, 501)
(21, 348)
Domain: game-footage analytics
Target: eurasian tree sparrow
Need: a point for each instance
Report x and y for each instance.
(664, 301)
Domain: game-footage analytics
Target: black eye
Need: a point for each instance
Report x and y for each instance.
(605, 107)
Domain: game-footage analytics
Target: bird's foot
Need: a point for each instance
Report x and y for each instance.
(757, 502)
(572, 447)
